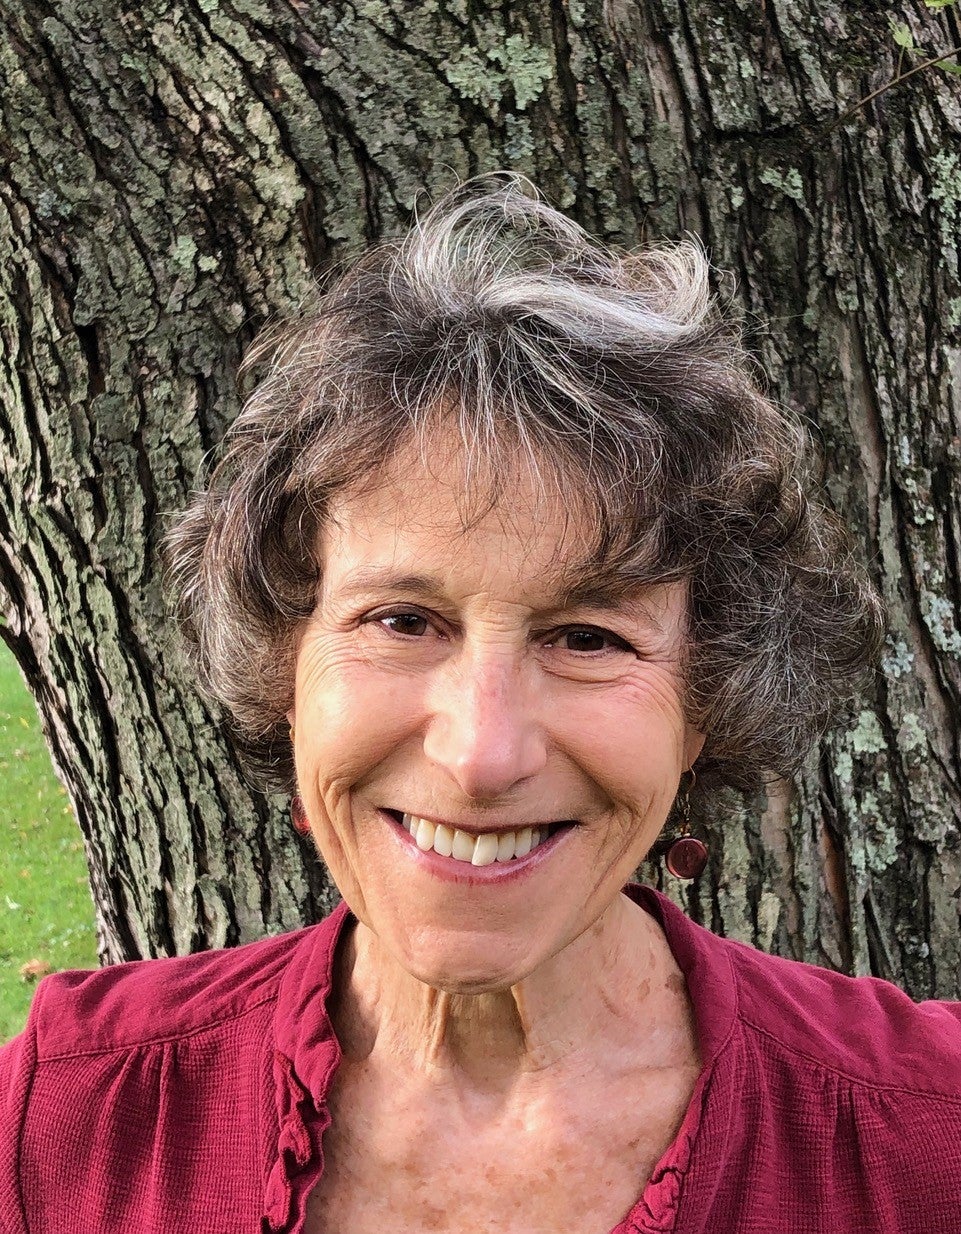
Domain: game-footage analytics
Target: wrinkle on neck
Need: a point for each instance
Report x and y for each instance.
(614, 998)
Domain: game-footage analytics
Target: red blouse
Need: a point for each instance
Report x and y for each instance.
(188, 1096)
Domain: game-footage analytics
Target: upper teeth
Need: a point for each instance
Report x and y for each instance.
(482, 850)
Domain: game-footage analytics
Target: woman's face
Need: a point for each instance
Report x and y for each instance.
(454, 676)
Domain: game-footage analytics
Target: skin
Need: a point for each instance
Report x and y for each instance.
(539, 1018)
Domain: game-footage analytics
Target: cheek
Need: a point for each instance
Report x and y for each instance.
(630, 741)
(351, 715)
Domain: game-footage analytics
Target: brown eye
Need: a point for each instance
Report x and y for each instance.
(585, 640)
(588, 640)
(411, 624)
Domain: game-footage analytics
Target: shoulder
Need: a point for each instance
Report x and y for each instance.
(145, 1001)
(164, 1074)
(860, 1027)
(801, 1019)
(827, 1097)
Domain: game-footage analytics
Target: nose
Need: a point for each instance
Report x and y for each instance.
(484, 729)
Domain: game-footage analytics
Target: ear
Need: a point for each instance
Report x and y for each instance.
(693, 745)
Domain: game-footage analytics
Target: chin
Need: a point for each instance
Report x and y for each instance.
(462, 966)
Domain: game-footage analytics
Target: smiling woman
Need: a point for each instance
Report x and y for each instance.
(506, 548)
(468, 693)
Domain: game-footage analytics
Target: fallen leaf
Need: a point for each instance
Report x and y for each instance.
(33, 970)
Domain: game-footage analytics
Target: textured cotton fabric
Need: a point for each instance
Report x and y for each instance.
(188, 1096)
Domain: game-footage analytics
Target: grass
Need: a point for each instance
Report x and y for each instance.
(46, 916)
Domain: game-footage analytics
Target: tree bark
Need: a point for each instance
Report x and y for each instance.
(178, 172)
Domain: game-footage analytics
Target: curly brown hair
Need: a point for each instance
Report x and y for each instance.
(611, 372)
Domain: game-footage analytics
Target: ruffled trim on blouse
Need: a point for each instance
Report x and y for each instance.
(306, 1056)
(300, 1153)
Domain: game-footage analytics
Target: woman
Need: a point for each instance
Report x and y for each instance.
(507, 560)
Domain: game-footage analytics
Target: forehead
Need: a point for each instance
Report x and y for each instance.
(516, 517)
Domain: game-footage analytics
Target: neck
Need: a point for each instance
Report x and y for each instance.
(613, 995)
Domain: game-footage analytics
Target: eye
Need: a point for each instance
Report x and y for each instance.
(587, 640)
(403, 622)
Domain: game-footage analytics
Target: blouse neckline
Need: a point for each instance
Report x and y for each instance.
(307, 1053)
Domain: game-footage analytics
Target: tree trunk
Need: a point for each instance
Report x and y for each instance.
(179, 170)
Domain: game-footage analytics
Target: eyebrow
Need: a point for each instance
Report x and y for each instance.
(362, 578)
(601, 594)
(589, 592)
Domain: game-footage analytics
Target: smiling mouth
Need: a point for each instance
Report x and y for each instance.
(476, 849)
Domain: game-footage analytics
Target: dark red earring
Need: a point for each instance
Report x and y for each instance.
(687, 856)
(298, 816)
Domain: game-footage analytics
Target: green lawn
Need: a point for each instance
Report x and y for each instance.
(45, 909)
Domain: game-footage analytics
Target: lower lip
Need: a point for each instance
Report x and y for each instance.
(462, 871)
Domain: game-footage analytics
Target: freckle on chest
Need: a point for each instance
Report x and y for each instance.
(427, 1169)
